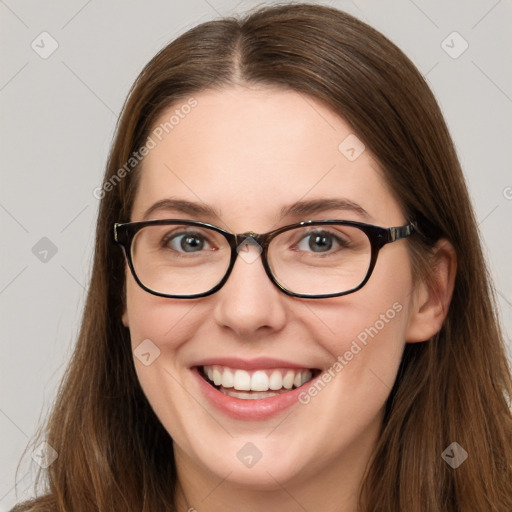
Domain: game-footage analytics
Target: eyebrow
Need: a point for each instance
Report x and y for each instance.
(304, 208)
(182, 206)
(298, 209)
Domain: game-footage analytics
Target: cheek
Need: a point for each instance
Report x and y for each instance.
(364, 333)
(369, 337)
(156, 318)
(158, 328)
(366, 350)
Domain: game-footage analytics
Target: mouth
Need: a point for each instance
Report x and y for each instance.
(256, 384)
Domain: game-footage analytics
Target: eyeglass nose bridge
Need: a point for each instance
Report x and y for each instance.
(249, 238)
(244, 240)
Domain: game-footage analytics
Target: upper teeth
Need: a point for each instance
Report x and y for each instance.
(258, 380)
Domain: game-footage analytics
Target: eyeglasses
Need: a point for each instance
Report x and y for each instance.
(186, 259)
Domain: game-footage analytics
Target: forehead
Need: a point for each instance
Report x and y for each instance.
(250, 152)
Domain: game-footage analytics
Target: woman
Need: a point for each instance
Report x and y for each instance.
(342, 351)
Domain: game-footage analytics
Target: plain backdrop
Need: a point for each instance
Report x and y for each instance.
(58, 113)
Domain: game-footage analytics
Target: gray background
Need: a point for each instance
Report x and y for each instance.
(57, 120)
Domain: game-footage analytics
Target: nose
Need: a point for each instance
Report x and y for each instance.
(249, 303)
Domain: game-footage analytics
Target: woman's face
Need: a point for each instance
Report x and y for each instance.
(251, 154)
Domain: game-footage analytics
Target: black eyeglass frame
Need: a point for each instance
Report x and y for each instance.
(378, 237)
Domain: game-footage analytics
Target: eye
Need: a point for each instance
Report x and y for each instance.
(321, 241)
(186, 242)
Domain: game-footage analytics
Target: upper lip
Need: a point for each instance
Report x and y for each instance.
(258, 363)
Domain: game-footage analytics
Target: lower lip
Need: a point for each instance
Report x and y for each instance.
(247, 410)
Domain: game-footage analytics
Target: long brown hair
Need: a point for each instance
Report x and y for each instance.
(113, 453)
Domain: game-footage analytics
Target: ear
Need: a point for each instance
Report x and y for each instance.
(433, 294)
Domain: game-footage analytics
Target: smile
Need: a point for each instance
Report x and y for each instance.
(256, 384)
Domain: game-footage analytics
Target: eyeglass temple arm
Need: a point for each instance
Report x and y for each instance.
(399, 232)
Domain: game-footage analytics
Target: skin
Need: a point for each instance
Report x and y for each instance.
(248, 152)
